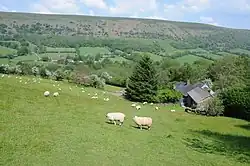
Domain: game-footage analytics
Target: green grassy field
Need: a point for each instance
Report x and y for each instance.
(24, 58)
(238, 50)
(71, 130)
(119, 59)
(50, 49)
(5, 50)
(152, 56)
(93, 50)
(190, 59)
(55, 56)
(210, 55)
(4, 61)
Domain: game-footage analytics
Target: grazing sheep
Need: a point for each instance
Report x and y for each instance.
(144, 103)
(151, 103)
(116, 116)
(106, 99)
(143, 121)
(83, 91)
(55, 94)
(59, 89)
(138, 107)
(94, 97)
(46, 93)
(88, 94)
(133, 105)
(156, 108)
(172, 110)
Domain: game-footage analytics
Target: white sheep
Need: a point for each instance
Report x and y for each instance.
(55, 94)
(144, 103)
(94, 97)
(46, 93)
(156, 108)
(106, 99)
(151, 103)
(143, 121)
(116, 116)
(138, 107)
(172, 110)
(133, 105)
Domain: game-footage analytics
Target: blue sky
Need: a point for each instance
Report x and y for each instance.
(227, 13)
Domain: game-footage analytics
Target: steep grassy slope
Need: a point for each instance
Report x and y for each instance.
(102, 26)
(71, 130)
(188, 35)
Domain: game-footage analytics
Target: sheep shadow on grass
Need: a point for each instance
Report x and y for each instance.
(137, 127)
(234, 146)
(112, 123)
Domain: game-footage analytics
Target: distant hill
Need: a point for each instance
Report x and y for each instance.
(187, 35)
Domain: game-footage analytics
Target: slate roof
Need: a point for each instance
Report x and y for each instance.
(184, 88)
(198, 94)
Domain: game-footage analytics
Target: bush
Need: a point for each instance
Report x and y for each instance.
(169, 96)
(105, 76)
(35, 71)
(214, 107)
(58, 75)
(237, 103)
(96, 81)
(45, 73)
(4, 69)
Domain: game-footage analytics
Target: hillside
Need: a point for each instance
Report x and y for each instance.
(93, 45)
(103, 26)
(189, 35)
(71, 129)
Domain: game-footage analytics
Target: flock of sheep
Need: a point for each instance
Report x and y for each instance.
(120, 117)
(112, 116)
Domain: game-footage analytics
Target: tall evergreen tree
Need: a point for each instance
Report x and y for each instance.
(142, 85)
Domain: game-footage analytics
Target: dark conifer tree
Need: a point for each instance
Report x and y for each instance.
(142, 85)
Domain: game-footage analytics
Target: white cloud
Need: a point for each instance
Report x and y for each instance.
(132, 7)
(55, 6)
(91, 13)
(100, 4)
(178, 10)
(208, 20)
(3, 8)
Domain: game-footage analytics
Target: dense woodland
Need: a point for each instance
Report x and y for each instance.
(230, 74)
